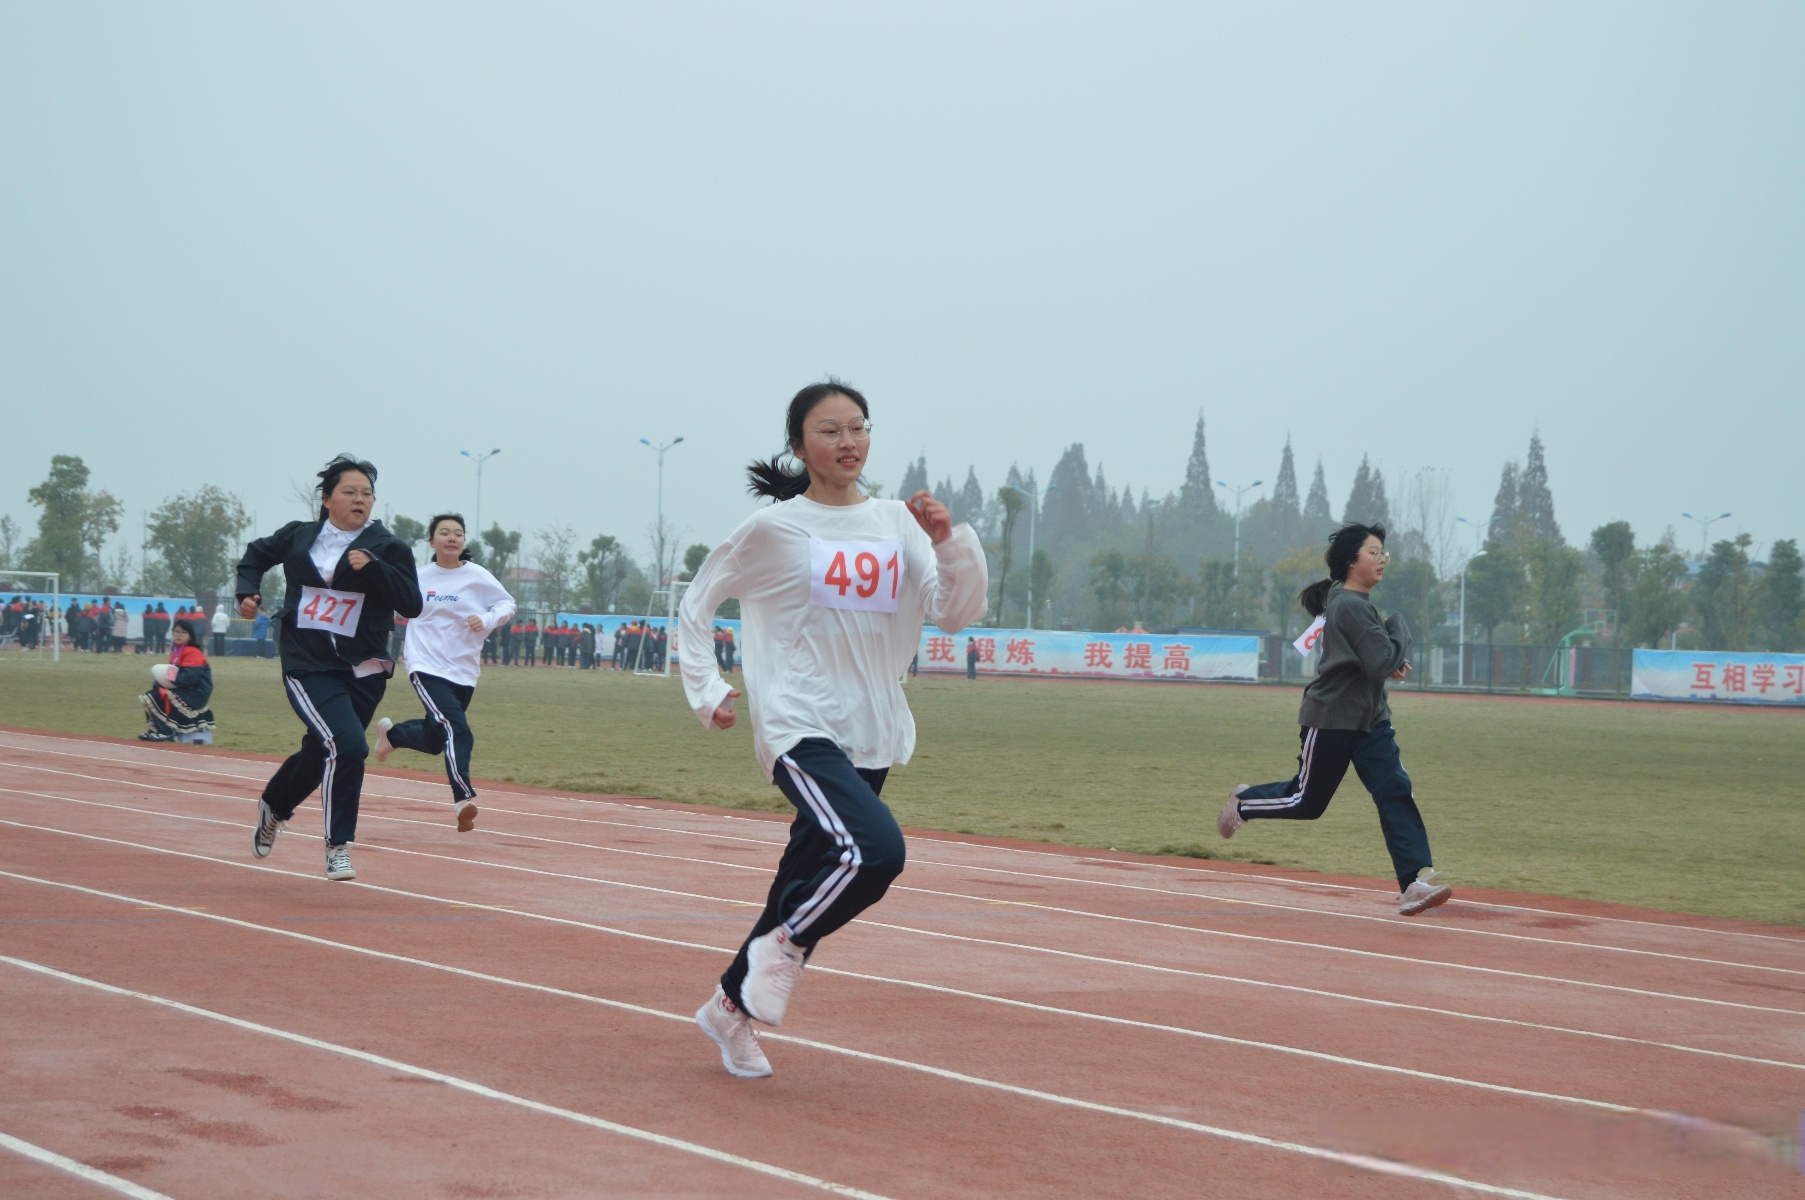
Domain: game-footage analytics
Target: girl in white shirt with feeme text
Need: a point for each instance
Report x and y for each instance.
(462, 605)
(833, 588)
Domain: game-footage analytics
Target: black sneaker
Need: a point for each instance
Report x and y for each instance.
(264, 839)
(151, 735)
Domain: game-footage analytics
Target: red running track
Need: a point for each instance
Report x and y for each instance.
(508, 1013)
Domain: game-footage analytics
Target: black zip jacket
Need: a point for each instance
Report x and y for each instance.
(390, 580)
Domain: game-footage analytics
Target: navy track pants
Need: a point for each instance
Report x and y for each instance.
(845, 849)
(336, 706)
(443, 730)
(1322, 763)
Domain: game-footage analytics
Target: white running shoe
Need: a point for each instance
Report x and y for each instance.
(338, 862)
(263, 838)
(773, 965)
(1230, 818)
(1423, 894)
(728, 1028)
(466, 813)
(384, 747)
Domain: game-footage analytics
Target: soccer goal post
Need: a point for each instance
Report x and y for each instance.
(49, 626)
(672, 595)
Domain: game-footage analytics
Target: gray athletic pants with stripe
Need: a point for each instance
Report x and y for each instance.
(335, 706)
(845, 849)
(1322, 763)
(443, 730)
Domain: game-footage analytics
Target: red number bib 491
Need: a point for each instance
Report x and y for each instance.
(329, 611)
(863, 576)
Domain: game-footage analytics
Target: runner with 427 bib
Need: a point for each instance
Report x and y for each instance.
(347, 578)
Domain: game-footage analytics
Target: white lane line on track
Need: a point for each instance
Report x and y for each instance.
(1321, 1056)
(1029, 904)
(1067, 859)
(80, 1170)
(915, 860)
(1056, 855)
(463, 1085)
(1362, 1162)
(575, 923)
(1141, 921)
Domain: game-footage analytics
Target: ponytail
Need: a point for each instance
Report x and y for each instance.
(772, 481)
(1344, 547)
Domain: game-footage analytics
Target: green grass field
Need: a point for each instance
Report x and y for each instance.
(1693, 809)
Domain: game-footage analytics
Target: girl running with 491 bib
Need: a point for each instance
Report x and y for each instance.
(1345, 719)
(833, 588)
(461, 605)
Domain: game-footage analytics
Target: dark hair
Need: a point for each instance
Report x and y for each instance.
(432, 527)
(190, 628)
(771, 478)
(337, 467)
(1344, 547)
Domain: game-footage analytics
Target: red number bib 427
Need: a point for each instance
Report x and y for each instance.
(863, 576)
(329, 611)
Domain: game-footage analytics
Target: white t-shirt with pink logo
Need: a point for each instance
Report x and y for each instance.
(440, 641)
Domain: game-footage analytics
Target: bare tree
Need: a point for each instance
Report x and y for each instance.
(121, 571)
(557, 564)
(9, 539)
(307, 495)
(663, 536)
(1426, 512)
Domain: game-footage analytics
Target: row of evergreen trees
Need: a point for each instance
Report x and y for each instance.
(1103, 559)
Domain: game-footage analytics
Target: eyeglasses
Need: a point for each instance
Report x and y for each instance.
(832, 431)
(1381, 555)
(349, 494)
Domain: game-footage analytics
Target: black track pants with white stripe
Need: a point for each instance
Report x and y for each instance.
(335, 706)
(443, 730)
(1321, 765)
(845, 849)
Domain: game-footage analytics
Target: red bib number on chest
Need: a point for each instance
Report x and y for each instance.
(329, 611)
(862, 576)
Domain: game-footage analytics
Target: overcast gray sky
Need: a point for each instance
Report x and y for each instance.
(238, 238)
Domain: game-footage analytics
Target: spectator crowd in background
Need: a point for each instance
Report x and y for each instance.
(103, 626)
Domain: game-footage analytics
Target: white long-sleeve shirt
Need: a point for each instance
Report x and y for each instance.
(440, 641)
(832, 601)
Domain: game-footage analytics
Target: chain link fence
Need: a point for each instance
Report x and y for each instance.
(1477, 667)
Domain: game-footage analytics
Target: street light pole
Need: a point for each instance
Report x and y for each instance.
(1238, 491)
(1704, 537)
(1477, 552)
(479, 460)
(1033, 508)
(661, 447)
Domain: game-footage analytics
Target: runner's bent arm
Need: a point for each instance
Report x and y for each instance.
(957, 592)
(392, 577)
(261, 555)
(1381, 646)
(501, 610)
(716, 579)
